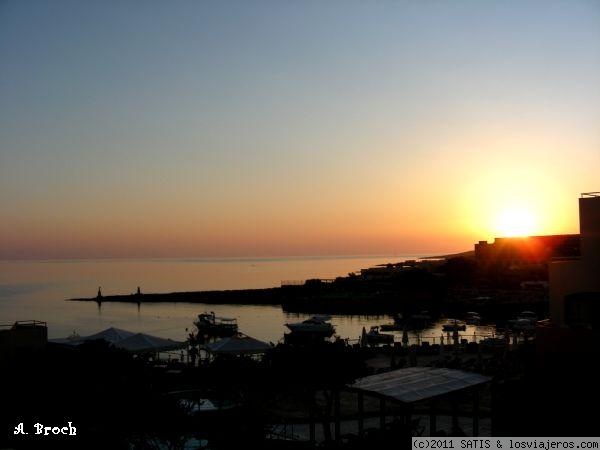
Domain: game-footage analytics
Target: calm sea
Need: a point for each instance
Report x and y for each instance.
(38, 289)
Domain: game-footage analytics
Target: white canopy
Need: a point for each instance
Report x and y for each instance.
(111, 335)
(418, 383)
(144, 342)
(128, 340)
(239, 344)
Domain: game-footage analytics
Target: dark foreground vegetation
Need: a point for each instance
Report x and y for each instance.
(117, 400)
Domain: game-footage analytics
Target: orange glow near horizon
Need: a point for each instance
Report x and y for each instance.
(296, 130)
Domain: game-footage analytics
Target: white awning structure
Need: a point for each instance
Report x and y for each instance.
(239, 344)
(418, 383)
(145, 343)
(111, 335)
(128, 340)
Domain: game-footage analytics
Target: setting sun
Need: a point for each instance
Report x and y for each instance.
(516, 222)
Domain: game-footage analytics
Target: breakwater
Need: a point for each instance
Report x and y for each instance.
(267, 296)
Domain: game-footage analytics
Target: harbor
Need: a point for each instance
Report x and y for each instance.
(330, 381)
(364, 225)
(315, 358)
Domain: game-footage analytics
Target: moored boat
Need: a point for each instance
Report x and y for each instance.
(210, 325)
(521, 324)
(472, 318)
(528, 315)
(399, 324)
(374, 337)
(525, 321)
(454, 325)
(316, 326)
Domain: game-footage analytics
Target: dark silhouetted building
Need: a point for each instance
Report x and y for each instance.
(21, 336)
(528, 250)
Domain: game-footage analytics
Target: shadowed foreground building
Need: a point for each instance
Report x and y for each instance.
(559, 389)
(574, 325)
(575, 282)
(26, 335)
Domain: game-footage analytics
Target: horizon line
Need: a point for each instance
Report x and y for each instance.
(221, 258)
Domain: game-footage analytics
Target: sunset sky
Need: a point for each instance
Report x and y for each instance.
(271, 128)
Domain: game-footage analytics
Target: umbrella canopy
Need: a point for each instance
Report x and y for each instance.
(141, 342)
(239, 344)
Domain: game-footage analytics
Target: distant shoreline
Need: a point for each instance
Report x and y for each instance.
(263, 296)
(209, 259)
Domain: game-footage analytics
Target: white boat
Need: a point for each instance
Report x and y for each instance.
(521, 324)
(316, 325)
(525, 321)
(210, 325)
(528, 315)
(399, 324)
(454, 325)
(374, 337)
(472, 318)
